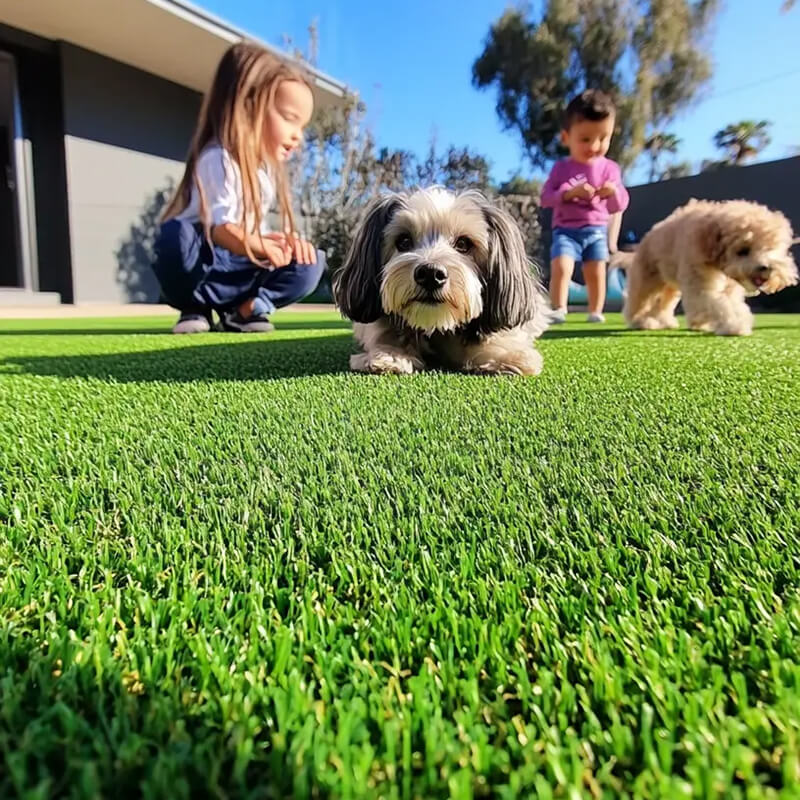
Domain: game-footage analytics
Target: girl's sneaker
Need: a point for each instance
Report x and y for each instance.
(595, 317)
(192, 322)
(558, 316)
(257, 323)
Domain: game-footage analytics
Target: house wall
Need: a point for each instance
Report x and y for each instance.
(126, 137)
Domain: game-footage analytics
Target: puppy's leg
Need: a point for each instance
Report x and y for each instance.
(664, 304)
(644, 286)
(698, 322)
(740, 317)
(632, 296)
(711, 305)
(507, 352)
(701, 307)
(384, 351)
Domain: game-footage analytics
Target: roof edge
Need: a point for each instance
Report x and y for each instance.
(214, 24)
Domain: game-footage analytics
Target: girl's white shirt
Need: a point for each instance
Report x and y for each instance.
(221, 179)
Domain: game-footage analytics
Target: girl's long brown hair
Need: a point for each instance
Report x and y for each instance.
(234, 114)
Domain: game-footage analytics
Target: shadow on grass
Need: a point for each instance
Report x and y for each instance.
(606, 333)
(151, 329)
(311, 325)
(144, 331)
(107, 726)
(627, 333)
(256, 358)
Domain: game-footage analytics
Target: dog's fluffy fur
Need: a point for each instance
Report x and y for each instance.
(712, 255)
(435, 279)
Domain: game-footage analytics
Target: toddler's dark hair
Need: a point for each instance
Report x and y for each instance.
(591, 104)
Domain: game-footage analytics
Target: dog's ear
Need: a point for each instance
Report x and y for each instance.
(357, 284)
(510, 287)
(712, 246)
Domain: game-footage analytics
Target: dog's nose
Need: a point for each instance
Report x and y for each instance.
(430, 276)
(762, 269)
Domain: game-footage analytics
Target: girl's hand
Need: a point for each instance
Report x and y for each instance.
(272, 247)
(279, 253)
(304, 252)
(275, 237)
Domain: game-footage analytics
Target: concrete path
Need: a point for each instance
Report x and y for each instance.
(119, 310)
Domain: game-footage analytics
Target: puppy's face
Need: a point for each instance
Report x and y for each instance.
(755, 250)
(437, 261)
(434, 252)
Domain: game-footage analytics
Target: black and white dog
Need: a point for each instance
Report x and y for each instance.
(436, 279)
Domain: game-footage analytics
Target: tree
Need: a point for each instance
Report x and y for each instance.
(742, 141)
(518, 185)
(457, 168)
(712, 165)
(340, 169)
(678, 169)
(656, 146)
(650, 55)
(461, 168)
(337, 172)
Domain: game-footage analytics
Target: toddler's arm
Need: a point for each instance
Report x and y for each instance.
(617, 196)
(554, 189)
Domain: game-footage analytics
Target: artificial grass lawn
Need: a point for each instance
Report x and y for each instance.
(229, 568)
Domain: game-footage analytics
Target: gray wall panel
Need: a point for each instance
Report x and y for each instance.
(127, 133)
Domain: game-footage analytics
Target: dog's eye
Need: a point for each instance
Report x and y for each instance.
(463, 244)
(743, 252)
(404, 243)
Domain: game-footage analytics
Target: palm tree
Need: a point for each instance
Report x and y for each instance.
(787, 4)
(743, 140)
(679, 169)
(656, 146)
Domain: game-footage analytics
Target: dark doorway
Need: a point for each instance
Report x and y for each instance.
(10, 271)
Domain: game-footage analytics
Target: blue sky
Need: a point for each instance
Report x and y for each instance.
(412, 60)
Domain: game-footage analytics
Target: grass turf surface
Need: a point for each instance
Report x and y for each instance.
(229, 568)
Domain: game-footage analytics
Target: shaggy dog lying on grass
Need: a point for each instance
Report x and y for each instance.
(438, 279)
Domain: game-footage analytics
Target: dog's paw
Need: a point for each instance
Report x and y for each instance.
(496, 368)
(670, 323)
(699, 326)
(528, 364)
(733, 329)
(646, 324)
(381, 364)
